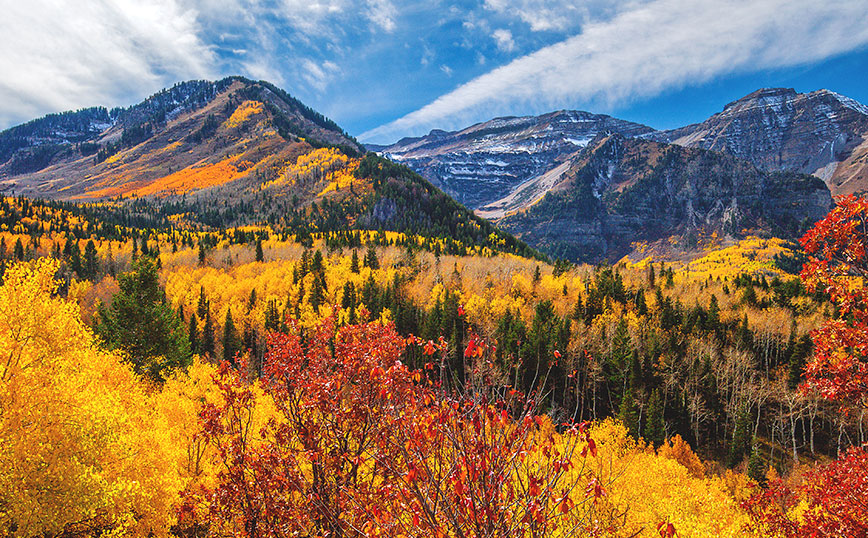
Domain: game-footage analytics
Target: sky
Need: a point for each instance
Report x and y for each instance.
(385, 69)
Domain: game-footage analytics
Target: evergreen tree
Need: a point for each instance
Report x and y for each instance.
(260, 256)
(354, 262)
(629, 412)
(193, 335)
(206, 346)
(75, 259)
(655, 426)
(251, 301)
(272, 316)
(140, 323)
(756, 467)
(202, 307)
(91, 264)
(231, 344)
(371, 259)
(18, 250)
(348, 301)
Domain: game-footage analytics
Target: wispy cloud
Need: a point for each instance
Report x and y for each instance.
(61, 55)
(504, 40)
(645, 50)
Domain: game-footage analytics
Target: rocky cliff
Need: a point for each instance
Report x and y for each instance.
(620, 192)
(821, 133)
(487, 161)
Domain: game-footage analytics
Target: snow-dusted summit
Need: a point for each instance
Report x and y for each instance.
(487, 161)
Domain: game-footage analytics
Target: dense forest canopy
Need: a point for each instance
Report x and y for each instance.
(203, 380)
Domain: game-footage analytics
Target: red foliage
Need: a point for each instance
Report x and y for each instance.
(839, 369)
(837, 498)
(363, 446)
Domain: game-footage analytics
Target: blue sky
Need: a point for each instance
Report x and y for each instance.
(384, 69)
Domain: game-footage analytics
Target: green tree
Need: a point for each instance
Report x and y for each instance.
(655, 427)
(231, 343)
(260, 256)
(90, 268)
(371, 257)
(272, 316)
(206, 347)
(354, 262)
(19, 250)
(141, 323)
(193, 334)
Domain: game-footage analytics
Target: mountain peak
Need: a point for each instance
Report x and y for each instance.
(762, 97)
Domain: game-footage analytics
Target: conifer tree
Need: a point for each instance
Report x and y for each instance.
(91, 264)
(206, 347)
(140, 323)
(354, 262)
(230, 338)
(655, 426)
(260, 255)
(272, 316)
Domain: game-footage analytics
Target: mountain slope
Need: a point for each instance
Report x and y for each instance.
(484, 162)
(821, 133)
(620, 192)
(221, 132)
(230, 153)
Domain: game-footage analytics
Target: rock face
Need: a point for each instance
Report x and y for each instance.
(821, 133)
(622, 191)
(487, 161)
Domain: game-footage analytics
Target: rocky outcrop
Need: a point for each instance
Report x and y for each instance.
(487, 161)
(779, 129)
(622, 191)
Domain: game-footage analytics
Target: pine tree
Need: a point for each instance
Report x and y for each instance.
(354, 262)
(756, 467)
(629, 412)
(75, 258)
(141, 323)
(91, 264)
(348, 301)
(18, 250)
(251, 301)
(371, 260)
(230, 338)
(260, 256)
(193, 335)
(655, 426)
(202, 308)
(272, 316)
(206, 347)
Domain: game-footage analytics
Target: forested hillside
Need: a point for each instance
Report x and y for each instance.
(279, 380)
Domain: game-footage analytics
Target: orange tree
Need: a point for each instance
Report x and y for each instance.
(364, 446)
(836, 495)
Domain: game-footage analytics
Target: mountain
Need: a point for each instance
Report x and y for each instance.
(229, 153)
(820, 133)
(622, 194)
(479, 165)
(224, 131)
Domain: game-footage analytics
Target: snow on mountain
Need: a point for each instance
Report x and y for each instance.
(487, 161)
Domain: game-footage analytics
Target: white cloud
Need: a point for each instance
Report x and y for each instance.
(641, 52)
(541, 15)
(60, 55)
(319, 75)
(504, 40)
(382, 13)
(446, 69)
